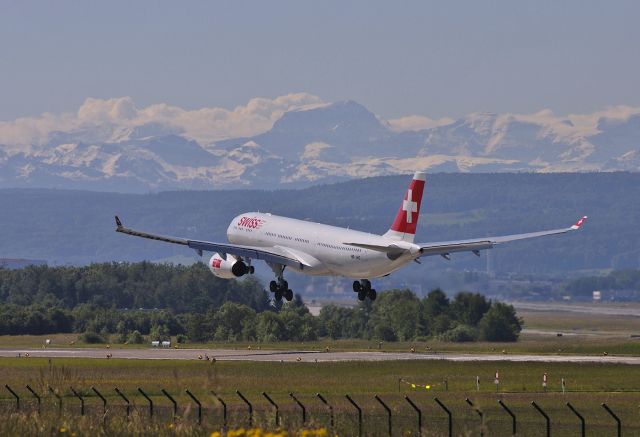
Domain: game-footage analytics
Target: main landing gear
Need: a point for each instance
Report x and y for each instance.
(363, 288)
(281, 289)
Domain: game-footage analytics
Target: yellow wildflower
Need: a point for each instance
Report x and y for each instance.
(320, 432)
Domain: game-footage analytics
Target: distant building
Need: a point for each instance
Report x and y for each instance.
(19, 263)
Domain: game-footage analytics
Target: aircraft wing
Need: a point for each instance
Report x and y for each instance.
(475, 245)
(269, 255)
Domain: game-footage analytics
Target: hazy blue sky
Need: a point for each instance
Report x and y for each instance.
(436, 59)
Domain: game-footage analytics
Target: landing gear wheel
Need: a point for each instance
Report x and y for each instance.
(280, 289)
(364, 290)
(373, 294)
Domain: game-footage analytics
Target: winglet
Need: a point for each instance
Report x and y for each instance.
(579, 223)
(118, 222)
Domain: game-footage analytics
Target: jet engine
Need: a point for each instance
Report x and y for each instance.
(228, 268)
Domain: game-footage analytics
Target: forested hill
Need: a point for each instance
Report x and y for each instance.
(77, 226)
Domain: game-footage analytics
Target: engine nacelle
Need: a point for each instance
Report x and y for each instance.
(227, 268)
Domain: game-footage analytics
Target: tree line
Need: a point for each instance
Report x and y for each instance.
(628, 279)
(399, 315)
(124, 302)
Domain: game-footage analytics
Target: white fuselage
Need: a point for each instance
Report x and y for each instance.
(320, 248)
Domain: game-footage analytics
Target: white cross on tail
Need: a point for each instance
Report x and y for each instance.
(409, 206)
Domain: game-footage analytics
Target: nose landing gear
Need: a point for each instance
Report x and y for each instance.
(364, 290)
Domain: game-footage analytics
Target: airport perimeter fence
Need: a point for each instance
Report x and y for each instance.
(406, 414)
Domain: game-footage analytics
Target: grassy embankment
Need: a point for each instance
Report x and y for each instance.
(528, 344)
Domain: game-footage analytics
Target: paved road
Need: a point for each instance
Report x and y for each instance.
(302, 356)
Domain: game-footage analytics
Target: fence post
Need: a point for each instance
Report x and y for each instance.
(15, 395)
(246, 401)
(617, 419)
(582, 430)
(149, 400)
(448, 414)
(275, 405)
(359, 414)
(199, 405)
(173, 401)
(477, 410)
(126, 400)
(35, 395)
(510, 413)
(304, 410)
(415, 407)
(53, 392)
(324, 401)
(545, 417)
(388, 412)
(224, 410)
(104, 401)
(81, 400)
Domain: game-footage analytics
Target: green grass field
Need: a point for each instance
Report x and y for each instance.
(574, 322)
(588, 386)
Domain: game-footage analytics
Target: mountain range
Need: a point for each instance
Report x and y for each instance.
(312, 142)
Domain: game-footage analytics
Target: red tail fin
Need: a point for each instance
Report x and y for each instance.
(406, 221)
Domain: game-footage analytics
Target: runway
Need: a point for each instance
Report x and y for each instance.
(627, 310)
(301, 356)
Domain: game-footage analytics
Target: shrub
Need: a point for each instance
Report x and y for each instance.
(159, 333)
(500, 323)
(384, 332)
(460, 334)
(92, 338)
(135, 338)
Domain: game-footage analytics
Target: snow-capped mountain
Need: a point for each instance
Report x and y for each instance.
(296, 140)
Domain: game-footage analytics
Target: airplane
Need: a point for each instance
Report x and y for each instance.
(318, 249)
